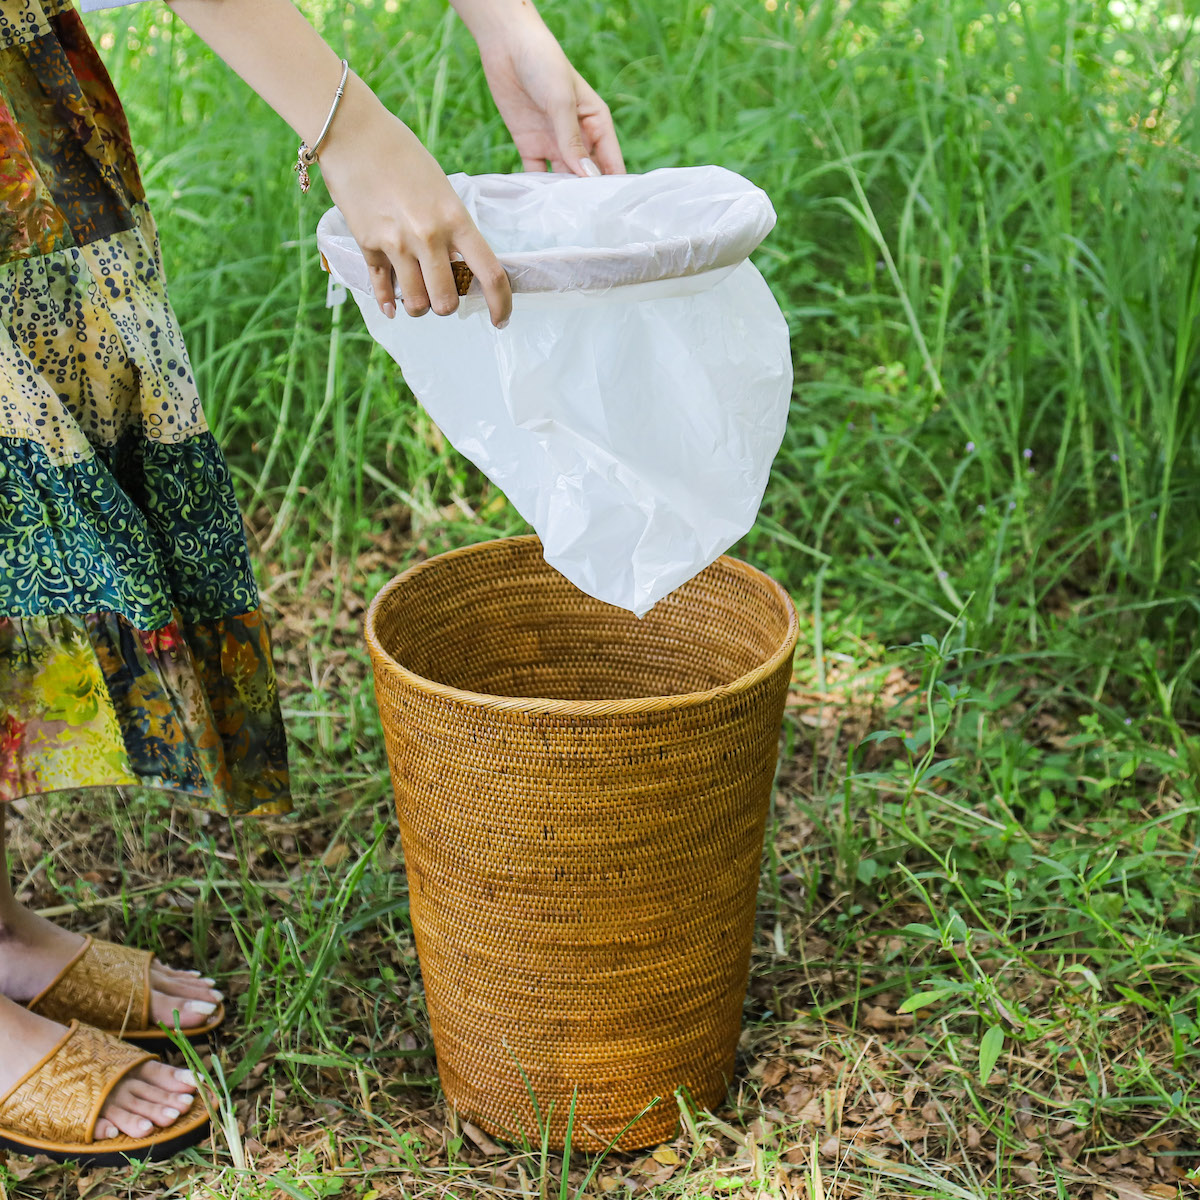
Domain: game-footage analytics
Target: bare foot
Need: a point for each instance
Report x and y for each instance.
(33, 951)
(153, 1095)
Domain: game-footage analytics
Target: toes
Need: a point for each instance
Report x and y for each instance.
(180, 1084)
(161, 1114)
(146, 1105)
(105, 1130)
(172, 984)
(131, 1124)
(151, 1097)
(192, 1013)
(160, 968)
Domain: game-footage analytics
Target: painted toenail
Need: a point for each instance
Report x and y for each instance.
(208, 982)
(200, 1006)
(185, 1101)
(218, 995)
(173, 1113)
(143, 1126)
(186, 1077)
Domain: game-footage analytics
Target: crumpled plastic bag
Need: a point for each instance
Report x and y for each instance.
(632, 408)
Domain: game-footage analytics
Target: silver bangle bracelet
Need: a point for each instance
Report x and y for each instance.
(307, 155)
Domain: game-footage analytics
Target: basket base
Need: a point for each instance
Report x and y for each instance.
(649, 1124)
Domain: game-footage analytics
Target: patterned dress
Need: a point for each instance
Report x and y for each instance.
(132, 647)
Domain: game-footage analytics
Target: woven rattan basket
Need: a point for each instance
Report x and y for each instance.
(582, 798)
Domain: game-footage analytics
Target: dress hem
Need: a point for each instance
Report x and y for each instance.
(272, 808)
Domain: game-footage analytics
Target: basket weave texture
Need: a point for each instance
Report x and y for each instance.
(582, 797)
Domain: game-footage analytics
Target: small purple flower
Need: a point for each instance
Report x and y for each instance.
(879, 264)
(1154, 516)
(980, 508)
(1011, 505)
(1115, 457)
(1128, 720)
(1027, 269)
(1027, 453)
(942, 574)
(895, 520)
(970, 447)
(849, 424)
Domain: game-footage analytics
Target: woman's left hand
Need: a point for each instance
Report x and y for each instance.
(551, 111)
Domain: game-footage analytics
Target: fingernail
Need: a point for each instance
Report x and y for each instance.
(200, 1006)
(186, 1077)
(590, 168)
(389, 309)
(173, 1113)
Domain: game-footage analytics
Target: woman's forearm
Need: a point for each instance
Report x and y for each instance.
(488, 18)
(281, 56)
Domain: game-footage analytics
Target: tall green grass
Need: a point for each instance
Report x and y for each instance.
(986, 251)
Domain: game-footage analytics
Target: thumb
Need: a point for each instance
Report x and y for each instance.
(572, 150)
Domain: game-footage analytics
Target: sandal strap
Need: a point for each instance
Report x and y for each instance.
(104, 985)
(61, 1097)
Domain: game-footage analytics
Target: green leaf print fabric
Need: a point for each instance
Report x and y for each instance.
(133, 649)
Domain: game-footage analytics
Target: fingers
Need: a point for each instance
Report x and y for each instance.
(439, 280)
(596, 121)
(537, 165)
(400, 271)
(380, 270)
(478, 255)
(606, 151)
(571, 148)
(413, 294)
(415, 271)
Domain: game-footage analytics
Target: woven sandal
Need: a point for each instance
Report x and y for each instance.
(108, 987)
(54, 1108)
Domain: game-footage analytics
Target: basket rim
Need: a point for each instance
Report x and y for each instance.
(545, 706)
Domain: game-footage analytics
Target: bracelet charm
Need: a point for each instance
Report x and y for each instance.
(301, 167)
(307, 155)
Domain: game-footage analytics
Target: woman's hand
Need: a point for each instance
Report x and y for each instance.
(550, 110)
(403, 213)
(397, 201)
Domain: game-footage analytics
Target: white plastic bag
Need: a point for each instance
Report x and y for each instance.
(631, 409)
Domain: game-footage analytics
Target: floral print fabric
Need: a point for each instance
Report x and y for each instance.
(69, 174)
(132, 647)
(139, 528)
(92, 700)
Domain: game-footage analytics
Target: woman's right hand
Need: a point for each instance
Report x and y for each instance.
(403, 213)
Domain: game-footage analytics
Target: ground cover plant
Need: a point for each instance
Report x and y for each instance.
(977, 969)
